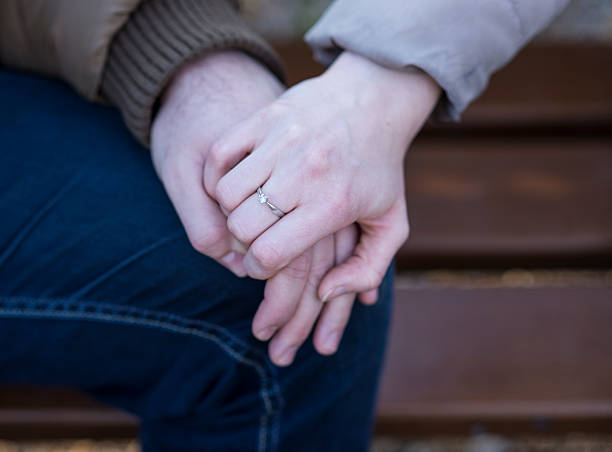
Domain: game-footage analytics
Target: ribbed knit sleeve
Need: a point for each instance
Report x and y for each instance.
(158, 38)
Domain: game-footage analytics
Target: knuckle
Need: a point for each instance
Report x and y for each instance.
(404, 232)
(216, 154)
(223, 194)
(281, 313)
(267, 257)
(400, 231)
(343, 202)
(300, 334)
(298, 269)
(317, 271)
(338, 321)
(318, 161)
(169, 174)
(273, 112)
(374, 278)
(273, 312)
(295, 133)
(237, 229)
(206, 242)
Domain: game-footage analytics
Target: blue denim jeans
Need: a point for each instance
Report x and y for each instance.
(101, 291)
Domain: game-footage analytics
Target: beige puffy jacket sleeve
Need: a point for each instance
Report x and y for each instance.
(459, 43)
(122, 51)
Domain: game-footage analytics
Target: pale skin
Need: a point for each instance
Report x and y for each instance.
(328, 152)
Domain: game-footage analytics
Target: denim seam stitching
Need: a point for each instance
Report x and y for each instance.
(28, 226)
(113, 269)
(266, 428)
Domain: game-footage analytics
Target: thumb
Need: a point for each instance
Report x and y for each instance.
(363, 272)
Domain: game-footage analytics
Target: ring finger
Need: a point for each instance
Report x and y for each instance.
(256, 214)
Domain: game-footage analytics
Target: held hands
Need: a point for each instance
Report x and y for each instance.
(291, 306)
(206, 98)
(329, 153)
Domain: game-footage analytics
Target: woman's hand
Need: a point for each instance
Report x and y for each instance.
(328, 153)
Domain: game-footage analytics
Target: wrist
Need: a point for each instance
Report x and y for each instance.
(221, 71)
(406, 96)
(207, 96)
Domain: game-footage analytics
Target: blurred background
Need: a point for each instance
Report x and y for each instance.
(584, 20)
(502, 332)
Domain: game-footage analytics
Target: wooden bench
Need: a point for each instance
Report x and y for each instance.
(525, 181)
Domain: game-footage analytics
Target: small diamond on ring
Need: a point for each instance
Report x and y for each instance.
(261, 197)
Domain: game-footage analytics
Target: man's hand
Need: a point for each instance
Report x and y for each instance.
(207, 97)
(291, 305)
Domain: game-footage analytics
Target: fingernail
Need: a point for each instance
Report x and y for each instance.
(265, 333)
(331, 342)
(286, 357)
(334, 293)
(239, 247)
(326, 296)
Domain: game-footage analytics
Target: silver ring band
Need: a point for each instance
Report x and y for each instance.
(263, 199)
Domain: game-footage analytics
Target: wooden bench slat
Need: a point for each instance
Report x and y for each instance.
(522, 200)
(499, 353)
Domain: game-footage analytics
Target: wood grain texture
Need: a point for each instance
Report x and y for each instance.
(499, 354)
(508, 201)
(32, 412)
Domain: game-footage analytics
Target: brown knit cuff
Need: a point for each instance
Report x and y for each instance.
(158, 38)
